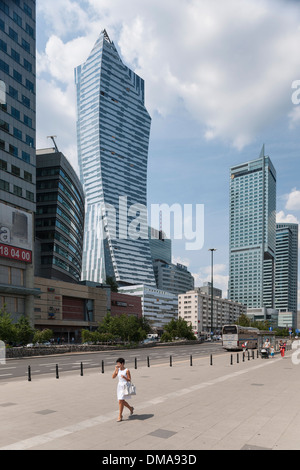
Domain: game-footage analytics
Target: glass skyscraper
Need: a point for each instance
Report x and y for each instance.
(253, 233)
(113, 128)
(286, 279)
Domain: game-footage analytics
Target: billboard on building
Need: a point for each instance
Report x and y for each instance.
(16, 236)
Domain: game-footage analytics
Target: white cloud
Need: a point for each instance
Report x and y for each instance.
(229, 64)
(220, 278)
(293, 200)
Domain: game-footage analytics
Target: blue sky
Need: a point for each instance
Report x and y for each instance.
(218, 78)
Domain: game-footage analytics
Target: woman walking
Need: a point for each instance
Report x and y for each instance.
(124, 376)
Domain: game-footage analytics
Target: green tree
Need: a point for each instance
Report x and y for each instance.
(180, 329)
(41, 336)
(24, 331)
(8, 331)
(110, 281)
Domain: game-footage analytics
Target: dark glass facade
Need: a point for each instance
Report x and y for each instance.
(59, 218)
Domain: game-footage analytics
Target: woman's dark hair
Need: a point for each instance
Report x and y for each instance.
(121, 360)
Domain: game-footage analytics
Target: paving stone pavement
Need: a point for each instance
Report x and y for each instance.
(251, 405)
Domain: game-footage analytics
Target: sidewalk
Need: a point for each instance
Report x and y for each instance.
(251, 405)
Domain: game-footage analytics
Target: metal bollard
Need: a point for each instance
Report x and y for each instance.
(148, 361)
(81, 369)
(170, 361)
(252, 353)
(135, 363)
(57, 374)
(191, 360)
(211, 360)
(29, 374)
(243, 357)
(237, 358)
(102, 367)
(231, 359)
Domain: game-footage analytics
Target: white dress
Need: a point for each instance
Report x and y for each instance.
(120, 388)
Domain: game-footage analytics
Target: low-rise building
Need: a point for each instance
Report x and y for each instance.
(195, 307)
(159, 307)
(66, 308)
(122, 304)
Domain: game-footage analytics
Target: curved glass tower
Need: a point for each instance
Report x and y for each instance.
(113, 128)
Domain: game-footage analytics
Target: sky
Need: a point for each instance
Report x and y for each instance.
(221, 80)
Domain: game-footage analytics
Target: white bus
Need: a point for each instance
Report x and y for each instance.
(234, 336)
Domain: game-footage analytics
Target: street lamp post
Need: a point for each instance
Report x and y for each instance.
(212, 290)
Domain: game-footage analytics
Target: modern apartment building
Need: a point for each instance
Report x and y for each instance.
(286, 272)
(113, 128)
(253, 233)
(17, 155)
(59, 218)
(159, 307)
(195, 307)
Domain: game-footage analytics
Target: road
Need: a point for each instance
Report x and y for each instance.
(16, 368)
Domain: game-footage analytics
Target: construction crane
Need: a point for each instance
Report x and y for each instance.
(52, 137)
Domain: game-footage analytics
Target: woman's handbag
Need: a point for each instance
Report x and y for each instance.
(129, 389)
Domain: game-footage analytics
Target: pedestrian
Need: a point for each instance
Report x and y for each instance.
(281, 348)
(124, 376)
(272, 351)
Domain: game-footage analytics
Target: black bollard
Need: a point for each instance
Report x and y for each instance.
(191, 360)
(148, 361)
(57, 375)
(231, 359)
(211, 360)
(135, 363)
(170, 361)
(237, 358)
(81, 369)
(102, 367)
(29, 374)
(252, 353)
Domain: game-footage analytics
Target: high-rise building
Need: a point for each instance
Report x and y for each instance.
(17, 155)
(59, 218)
(253, 233)
(286, 272)
(113, 128)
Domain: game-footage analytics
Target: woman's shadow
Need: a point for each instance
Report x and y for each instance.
(140, 417)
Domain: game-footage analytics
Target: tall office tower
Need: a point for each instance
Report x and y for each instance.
(113, 128)
(253, 233)
(286, 271)
(17, 155)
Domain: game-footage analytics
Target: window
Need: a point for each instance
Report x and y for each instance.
(17, 133)
(26, 45)
(17, 19)
(4, 185)
(13, 150)
(27, 65)
(15, 113)
(17, 76)
(17, 191)
(3, 165)
(15, 170)
(26, 101)
(29, 196)
(12, 33)
(15, 55)
(27, 176)
(25, 157)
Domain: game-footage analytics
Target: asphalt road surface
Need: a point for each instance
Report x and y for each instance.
(16, 368)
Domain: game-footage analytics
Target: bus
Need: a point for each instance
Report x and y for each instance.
(234, 336)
